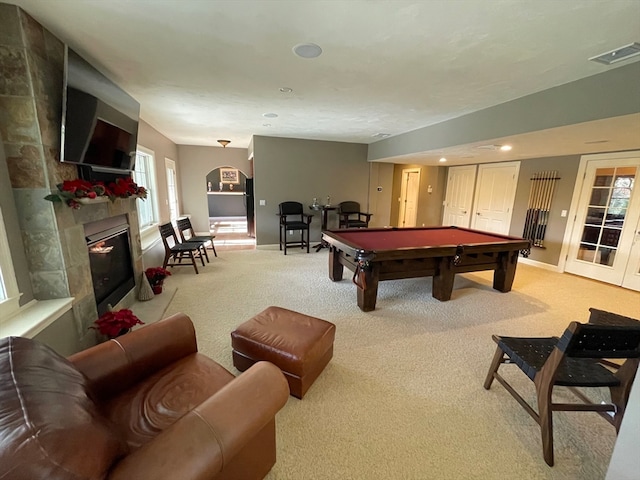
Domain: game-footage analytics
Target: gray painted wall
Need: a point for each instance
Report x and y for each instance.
(162, 148)
(288, 169)
(193, 167)
(613, 93)
(567, 168)
(429, 204)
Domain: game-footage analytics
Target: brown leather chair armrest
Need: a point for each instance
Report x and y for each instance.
(113, 366)
(201, 443)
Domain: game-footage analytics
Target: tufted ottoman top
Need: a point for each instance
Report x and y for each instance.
(291, 340)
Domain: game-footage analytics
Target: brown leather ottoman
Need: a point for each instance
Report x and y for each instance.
(300, 345)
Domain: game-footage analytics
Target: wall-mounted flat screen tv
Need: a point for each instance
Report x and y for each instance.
(99, 119)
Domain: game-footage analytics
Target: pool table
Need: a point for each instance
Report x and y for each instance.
(376, 254)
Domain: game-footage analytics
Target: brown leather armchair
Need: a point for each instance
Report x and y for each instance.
(145, 405)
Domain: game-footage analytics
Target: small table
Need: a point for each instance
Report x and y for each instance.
(378, 254)
(325, 211)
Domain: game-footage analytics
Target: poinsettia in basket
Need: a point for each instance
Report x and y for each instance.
(115, 323)
(156, 276)
(70, 191)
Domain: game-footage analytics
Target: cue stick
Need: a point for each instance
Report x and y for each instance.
(551, 192)
(527, 224)
(543, 208)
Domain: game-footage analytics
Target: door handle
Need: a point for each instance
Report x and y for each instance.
(478, 213)
(464, 212)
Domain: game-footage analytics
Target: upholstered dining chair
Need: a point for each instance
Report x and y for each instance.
(177, 251)
(184, 226)
(293, 218)
(350, 216)
(576, 360)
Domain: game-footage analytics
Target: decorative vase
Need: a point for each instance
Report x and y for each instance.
(157, 289)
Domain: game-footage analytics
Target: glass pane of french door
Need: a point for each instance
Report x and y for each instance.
(608, 206)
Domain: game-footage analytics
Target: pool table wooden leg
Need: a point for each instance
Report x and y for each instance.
(506, 271)
(335, 267)
(367, 296)
(443, 280)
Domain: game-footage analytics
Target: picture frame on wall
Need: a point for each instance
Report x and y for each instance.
(229, 175)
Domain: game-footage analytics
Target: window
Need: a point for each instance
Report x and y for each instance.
(9, 294)
(145, 175)
(172, 188)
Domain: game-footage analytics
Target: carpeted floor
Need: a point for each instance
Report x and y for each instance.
(403, 398)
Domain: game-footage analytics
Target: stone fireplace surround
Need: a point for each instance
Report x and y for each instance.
(31, 65)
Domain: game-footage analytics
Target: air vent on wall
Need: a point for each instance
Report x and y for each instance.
(618, 55)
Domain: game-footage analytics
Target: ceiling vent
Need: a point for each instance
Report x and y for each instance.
(618, 55)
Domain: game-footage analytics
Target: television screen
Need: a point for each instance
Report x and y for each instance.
(99, 119)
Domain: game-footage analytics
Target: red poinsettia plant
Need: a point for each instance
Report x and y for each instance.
(156, 275)
(115, 323)
(70, 191)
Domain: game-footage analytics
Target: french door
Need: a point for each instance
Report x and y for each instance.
(605, 239)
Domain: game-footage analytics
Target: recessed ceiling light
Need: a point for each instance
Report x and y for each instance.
(618, 55)
(266, 124)
(270, 115)
(381, 135)
(286, 90)
(505, 148)
(307, 50)
(442, 160)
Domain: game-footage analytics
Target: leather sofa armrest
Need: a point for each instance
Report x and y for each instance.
(204, 441)
(113, 366)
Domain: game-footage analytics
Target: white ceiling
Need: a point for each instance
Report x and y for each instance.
(209, 70)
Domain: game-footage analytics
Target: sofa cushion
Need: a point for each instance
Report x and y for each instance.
(47, 417)
(155, 403)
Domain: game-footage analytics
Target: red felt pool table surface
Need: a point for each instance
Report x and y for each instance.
(377, 254)
(396, 238)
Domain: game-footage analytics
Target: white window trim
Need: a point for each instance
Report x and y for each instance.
(11, 304)
(153, 191)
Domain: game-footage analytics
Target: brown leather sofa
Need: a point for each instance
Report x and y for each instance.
(146, 405)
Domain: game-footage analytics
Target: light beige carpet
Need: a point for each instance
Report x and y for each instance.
(402, 397)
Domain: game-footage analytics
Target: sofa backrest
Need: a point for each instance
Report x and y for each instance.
(49, 426)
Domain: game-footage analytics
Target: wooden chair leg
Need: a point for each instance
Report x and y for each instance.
(193, 261)
(545, 419)
(307, 240)
(213, 247)
(206, 255)
(498, 359)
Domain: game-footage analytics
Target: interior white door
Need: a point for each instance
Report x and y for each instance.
(606, 224)
(459, 196)
(631, 277)
(409, 197)
(495, 194)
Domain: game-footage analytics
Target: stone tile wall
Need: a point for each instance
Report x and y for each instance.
(31, 85)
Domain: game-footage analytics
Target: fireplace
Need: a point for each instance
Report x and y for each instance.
(110, 260)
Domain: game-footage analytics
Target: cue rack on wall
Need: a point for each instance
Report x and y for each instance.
(540, 196)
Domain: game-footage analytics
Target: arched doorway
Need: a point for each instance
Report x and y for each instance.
(230, 204)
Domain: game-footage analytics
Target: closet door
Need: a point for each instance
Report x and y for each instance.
(495, 194)
(459, 197)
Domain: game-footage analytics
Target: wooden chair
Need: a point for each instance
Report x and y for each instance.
(178, 251)
(572, 361)
(184, 225)
(292, 217)
(350, 216)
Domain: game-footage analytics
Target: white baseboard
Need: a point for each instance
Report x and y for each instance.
(535, 263)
